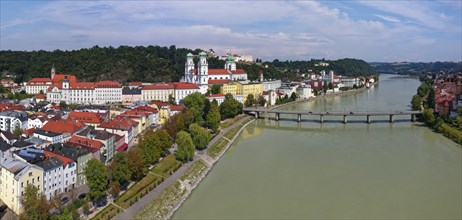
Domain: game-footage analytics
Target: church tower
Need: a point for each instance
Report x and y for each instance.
(261, 76)
(203, 73)
(53, 72)
(202, 70)
(230, 64)
(189, 69)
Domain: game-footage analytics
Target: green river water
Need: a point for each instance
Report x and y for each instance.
(308, 170)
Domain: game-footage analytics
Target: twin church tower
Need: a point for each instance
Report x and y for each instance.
(203, 76)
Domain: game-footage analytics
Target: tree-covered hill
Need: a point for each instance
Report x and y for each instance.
(150, 64)
(416, 68)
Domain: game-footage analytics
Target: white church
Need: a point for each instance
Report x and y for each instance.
(203, 76)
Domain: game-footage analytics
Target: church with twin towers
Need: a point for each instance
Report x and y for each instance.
(202, 76)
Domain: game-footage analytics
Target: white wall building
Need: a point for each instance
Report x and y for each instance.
(158, 92)
(11, 120)
(97, 93)
(271, 85)
(49, 136)
(36, 122)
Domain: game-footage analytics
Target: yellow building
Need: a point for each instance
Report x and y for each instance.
(15, 175)
(243, 88)
(164, 111)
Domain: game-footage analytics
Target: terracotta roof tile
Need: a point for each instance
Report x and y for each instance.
(63, 126)
(85, 117)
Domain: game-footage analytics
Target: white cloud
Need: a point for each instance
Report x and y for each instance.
(389, 18)
(265, 29)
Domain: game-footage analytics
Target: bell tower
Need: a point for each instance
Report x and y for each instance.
(53, 72)
(189, 69)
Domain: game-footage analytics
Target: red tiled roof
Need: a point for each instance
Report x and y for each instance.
(158, 86)
(63, 159)
(135, 83)
(85, 117)
(107, 84)
(40, 96)
(9, 106)
(184, 85)
(82, 85)
(218, 81)
(216, 95)
(60, 77)
(122, 148)
(239, 71)
(63, 126)
(218, 72)
(119, 123)
(177, 108)
(29, 131)
(39, 81)
(82, 141)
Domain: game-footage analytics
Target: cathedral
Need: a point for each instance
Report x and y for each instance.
(202, 76)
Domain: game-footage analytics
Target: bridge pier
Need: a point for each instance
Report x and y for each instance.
(413, 117)
(344, 119)
(368, 119)
(391, 119)
(256, 115)
(321, 119)
(299, 118)
(277, 116)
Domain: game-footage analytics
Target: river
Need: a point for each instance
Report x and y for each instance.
(284, 169)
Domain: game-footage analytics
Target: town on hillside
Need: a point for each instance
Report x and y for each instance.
(52, 127)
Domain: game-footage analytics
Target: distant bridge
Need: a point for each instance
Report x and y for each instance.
(258, 111)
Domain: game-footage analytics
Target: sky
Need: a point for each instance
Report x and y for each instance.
(372, 30)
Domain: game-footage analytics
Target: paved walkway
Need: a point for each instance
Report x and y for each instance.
(135, 208)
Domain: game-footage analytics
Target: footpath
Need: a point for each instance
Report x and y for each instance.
(130, 212)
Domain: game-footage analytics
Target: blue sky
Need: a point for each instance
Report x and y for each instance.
(372, 30)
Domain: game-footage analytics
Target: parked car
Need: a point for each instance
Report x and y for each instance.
(82, 196)
(64, 200)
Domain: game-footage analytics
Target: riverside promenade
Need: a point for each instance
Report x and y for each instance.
(130, 212)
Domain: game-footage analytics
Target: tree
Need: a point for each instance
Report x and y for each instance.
(63, 104)
(185, 144)
(213, 119)
(17, 132)
(429, 116)
(114, 188)
(171, 99)
(136, 163)
(261, 100)
(293, 96)
(416, 102)
(199, 136)
(97, 179)
(149, 148)
(207, 107)
(41, 92)
(431, 98)
(230, 107)
(164, 140)
(34, 203)
(195, 102)
(250, 101)
(120, 170)
(215, 89)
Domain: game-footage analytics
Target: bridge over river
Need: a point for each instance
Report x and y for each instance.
(257, 112)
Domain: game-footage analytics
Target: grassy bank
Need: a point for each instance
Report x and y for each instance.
(164, 203)
(107, 213)
(137, 191)
(217, 147)
(166, 166)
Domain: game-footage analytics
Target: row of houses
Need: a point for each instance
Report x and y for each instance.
(54, 149)
(447, 93)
